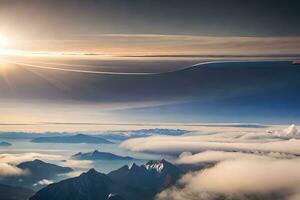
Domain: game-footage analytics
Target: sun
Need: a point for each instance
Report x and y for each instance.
(3, 43)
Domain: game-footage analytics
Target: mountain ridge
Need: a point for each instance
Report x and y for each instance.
(97, 155)
(79, 138)
(93, 185)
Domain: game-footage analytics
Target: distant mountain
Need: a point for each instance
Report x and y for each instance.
(14, 193)
(123, 135)
(17, 135)
(5, 144)
(97, 155)
(127, 183)
(28, 135)
(42, 170)
(37, 171)
(79, 138)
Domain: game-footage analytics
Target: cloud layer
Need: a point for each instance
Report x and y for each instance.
(238, 179)
(248, 163)
(243, 140)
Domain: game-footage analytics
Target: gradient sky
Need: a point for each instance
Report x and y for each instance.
(71, 59)
(55, 18)
(151, 27)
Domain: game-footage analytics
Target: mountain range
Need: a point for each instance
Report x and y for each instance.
(127, 183)
(5, 144)
(97, 155)
(79, 138)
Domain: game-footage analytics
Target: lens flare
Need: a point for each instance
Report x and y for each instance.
(3, 41)
(3, 44)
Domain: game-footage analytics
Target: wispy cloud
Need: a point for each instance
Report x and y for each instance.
(159, 45)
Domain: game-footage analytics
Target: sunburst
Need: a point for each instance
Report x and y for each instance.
(3, 44)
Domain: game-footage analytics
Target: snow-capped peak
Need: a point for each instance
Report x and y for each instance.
(155, 165)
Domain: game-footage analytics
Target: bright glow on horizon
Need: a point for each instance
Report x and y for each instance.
(3, 44)
(3, 40)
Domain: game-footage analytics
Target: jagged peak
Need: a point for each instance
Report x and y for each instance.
(126, 167)
(157, 165)
(92, 171)
(133, 166)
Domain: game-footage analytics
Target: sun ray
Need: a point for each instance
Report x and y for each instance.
(3, 44)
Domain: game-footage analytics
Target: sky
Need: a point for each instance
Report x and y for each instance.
(116, 27)
(53, 19)
(101, 61)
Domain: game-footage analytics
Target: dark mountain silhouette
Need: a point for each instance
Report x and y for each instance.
(14, 193)
(79, 138)
(28, 135)
(128, 183)
(5, 144)
(91, 185)
(97, 155)
(37, 170)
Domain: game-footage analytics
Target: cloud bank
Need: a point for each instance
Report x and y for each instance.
(242, 141)
(240, 179)
(248, 163)
(217, 156)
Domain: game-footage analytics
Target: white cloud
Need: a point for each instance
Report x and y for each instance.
(23, 157)
(216, 156)
(78, 164)
(289, 132)
(10, 170)
(239, 177)
(43, 182)
(177, 145)
(250, 162)
(243, 140)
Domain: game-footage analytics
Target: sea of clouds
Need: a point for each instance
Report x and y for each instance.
(9, 162)
(247, 163)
